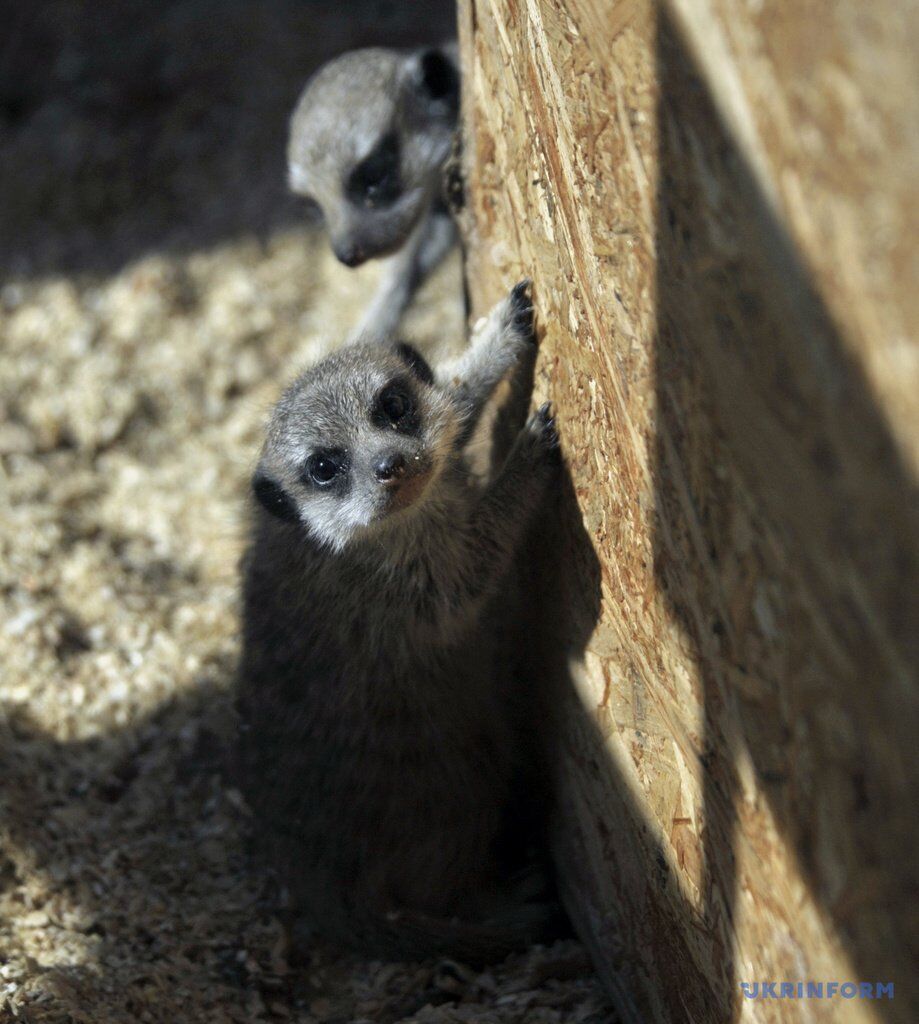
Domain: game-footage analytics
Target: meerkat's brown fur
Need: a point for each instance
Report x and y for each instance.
(378, 748)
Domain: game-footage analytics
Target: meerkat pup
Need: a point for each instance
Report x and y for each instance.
(369, 139)
(378, 749)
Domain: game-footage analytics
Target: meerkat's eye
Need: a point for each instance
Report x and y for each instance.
(375, 180)
(395, 408)
(323, 467)
(395, 404)
(439, 77)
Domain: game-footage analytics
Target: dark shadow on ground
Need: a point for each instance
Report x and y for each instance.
(128, 127)
(131, 846)
(129, 841)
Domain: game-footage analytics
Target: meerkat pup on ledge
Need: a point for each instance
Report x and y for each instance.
(369, 139)
(377, 746)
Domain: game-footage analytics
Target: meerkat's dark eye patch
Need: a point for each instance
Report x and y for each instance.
(416, 362)
(395, 408)
(375, 181)
(439, 77)
(274, 499)
(395, 404)
(323, 468)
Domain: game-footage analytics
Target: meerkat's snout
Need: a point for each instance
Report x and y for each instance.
(349, 253)
(402, 480)
(390, 469)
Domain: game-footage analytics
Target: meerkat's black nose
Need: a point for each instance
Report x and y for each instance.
(350, 255)
(390, 469)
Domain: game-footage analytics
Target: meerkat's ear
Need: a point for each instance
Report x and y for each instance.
(438, 78)
(415, 361)
(273, 498)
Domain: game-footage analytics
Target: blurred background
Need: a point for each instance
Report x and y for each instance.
(158, 288)
(136, 126)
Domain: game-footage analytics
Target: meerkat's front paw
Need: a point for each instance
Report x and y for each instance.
(509, 325)
(519, 311)
(506, 335)
(542, 434)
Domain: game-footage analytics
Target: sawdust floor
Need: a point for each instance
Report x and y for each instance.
(158, 290)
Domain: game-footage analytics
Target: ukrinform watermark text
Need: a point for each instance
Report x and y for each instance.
(817, 989)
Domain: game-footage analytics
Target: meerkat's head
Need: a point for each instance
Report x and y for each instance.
(368, 141)
(356, 444)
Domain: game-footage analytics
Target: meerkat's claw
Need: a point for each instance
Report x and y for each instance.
(520, 302)
(543, 429)
(521, 290)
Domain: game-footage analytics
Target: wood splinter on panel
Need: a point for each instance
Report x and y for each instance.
(718, 206)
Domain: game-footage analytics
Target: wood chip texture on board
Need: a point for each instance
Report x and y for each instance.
(717, 203)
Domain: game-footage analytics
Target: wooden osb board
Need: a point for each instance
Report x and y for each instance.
(717, 203)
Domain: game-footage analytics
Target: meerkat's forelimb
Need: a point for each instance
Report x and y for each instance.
(380, 737)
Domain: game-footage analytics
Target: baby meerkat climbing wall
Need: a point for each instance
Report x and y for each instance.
(717, 203)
